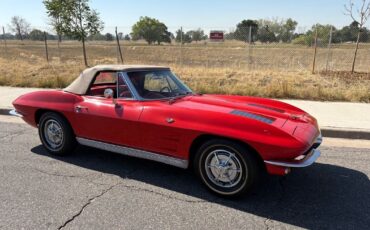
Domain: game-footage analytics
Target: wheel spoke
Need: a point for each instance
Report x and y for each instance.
(218, 160)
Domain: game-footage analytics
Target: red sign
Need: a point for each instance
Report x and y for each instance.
(216, 35)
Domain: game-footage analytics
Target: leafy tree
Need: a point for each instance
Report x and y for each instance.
(127, 37)
(288, 30)
(78, 20)
(36, 35)
(109, 37)
(55, 15)
(151, 30)
(282, 28)
(323, 34)
(197, 35)
(186, 37)
(242, 30)
(120, 36)
(19, 26)
(265, 35)
(229, 36)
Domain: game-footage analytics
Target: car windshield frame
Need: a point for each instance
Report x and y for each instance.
(185, 90)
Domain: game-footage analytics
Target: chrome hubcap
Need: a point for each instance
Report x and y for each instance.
(53, 134)
(223, 168)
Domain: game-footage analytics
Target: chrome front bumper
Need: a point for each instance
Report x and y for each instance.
(307, 160)
(14, 112)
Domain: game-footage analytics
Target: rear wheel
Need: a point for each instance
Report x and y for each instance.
(226, 167)
(56, 134)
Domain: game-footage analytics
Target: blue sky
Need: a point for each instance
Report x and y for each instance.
(191, 14)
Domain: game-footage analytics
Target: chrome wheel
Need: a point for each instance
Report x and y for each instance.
(223, 168)
(53, 134)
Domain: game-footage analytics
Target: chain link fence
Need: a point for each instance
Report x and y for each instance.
(246, 50)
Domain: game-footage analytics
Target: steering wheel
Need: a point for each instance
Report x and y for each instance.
(164, 88)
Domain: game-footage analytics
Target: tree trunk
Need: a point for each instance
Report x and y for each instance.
(84, 51)
(59, 51)
(354, 57)
(20, 34)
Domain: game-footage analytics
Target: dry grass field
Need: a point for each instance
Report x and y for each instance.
(271, 70)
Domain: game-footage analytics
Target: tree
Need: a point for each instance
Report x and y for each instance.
(36, 35)
(151, 30)
(120, 36)
(323, 34)
(55, 15)
(181, 35)
(19, 26)
(288, 30)
(242, 30)
(361, 19)
(265, 35)
(197, 35)
(108, 37)
(127, 37)
(77, 20)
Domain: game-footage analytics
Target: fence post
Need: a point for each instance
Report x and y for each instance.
(315, 52)
(46, 47)
(329, 47)
(5, 48)
(181, 45)
(250, 47)
(119, 51)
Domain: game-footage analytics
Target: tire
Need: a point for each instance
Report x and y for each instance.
(56, 134)
(234, 171)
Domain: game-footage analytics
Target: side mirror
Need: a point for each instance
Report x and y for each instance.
(109, 93)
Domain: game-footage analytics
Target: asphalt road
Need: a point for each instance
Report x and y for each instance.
(93, 189)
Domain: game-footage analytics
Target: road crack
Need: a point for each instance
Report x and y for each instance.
(58, 174)
(85, 206)
(130, 187)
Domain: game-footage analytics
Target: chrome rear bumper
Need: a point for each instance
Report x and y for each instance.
(14, 112)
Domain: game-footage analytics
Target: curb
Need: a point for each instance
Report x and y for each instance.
(326, 132)
(346, 133)
(4, 111)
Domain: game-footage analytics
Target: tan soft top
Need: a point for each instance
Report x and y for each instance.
(82, 83)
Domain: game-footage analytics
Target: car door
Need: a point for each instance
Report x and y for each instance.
(111, 120)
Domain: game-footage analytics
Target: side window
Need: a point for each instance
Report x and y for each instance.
(123, 89)
(103, 81)
(105, 78)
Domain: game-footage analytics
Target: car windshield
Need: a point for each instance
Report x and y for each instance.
(157, 84)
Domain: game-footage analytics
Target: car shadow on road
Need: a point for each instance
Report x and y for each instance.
(320, 196)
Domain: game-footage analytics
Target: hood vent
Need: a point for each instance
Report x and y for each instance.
(252, 116)
(269, 108)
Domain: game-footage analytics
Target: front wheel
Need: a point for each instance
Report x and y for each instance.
(226, 168)
(56, 134)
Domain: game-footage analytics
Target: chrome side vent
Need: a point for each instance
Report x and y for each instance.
(252, 116)
(267, 107)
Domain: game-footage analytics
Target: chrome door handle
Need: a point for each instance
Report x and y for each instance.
(78, 108)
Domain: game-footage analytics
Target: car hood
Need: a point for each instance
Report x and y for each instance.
(280, 115)
(249, 107)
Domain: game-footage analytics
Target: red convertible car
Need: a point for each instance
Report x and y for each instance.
(147, 112)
